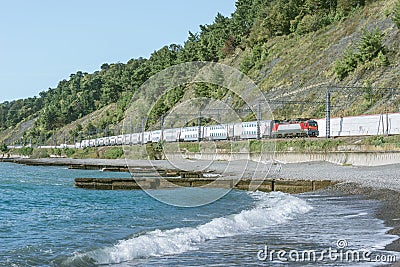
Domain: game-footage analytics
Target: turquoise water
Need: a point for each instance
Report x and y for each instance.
(45, 221)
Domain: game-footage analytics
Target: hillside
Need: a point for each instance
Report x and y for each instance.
(292, 49)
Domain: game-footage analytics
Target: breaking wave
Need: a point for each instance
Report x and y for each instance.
(270, 209)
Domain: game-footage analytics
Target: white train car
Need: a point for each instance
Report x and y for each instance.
(394, 123)
(235, 130)
(93, 142)
(377, 124)
(172, 135)
(101, 141)
(113, 140)
(249, 130)
(136, 138)
(146, 137)
(216, 132)
(106, 141)
(127, 139)
(120, 139)
(85, 143)
(192, 133)
(266, 128)
(155, 136)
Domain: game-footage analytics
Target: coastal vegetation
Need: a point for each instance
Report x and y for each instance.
(283, 45)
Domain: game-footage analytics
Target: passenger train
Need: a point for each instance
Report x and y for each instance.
(363, 125)
(230, 131)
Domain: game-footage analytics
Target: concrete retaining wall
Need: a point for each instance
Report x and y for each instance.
(356, 158)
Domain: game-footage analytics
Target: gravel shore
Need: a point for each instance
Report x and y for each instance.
(378, 177)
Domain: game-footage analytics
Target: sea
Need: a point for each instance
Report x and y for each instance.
(46, 221)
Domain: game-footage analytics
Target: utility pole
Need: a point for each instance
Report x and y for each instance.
(162, 128)
(142, 131)
(199, 130)
(328, 113)
(387, 123)
(259, 121)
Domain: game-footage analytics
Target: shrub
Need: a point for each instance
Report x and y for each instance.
(309, 23)
(69, 152)
(26, 151)
(114, 153)
(346, 65)
(368, 48)
(253, 58)
(3, 147)
(375, 140)
(247, 63)
(370, 45)
(40, 153)
(314, 22)
(396, 14)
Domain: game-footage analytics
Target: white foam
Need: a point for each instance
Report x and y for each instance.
(356, 215)
(270, 209)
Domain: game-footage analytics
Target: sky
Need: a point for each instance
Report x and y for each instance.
(42, 42)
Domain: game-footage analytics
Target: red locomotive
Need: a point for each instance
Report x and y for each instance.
(294, 128)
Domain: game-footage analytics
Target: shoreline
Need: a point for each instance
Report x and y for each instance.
(388, 212)
(381, 183)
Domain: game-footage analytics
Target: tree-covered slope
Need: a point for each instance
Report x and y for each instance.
(287, 46)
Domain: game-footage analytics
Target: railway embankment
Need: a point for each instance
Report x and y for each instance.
(360, 150)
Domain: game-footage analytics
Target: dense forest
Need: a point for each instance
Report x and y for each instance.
(250, 26)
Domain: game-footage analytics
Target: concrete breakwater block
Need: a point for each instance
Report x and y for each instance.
(267, 185)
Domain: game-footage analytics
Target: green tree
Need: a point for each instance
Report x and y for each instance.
(212, 39)
(281, 14)
(189, 51)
